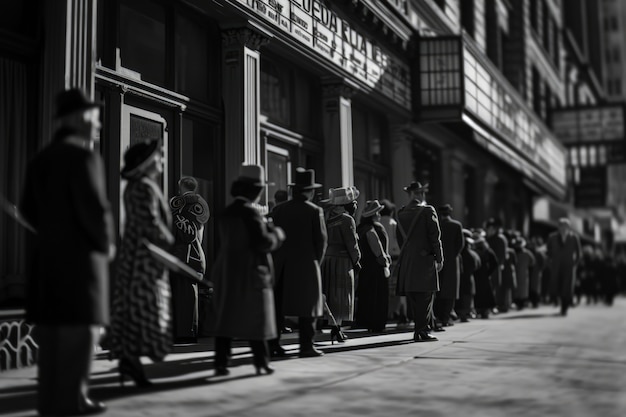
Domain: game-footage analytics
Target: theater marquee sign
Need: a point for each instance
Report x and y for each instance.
(319, 28)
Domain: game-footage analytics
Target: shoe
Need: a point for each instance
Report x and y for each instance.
(310, 353)
(286, 330)
(222, 371)
(278, 352)
(337, 334)
(464, 320)
(438, 329)
(91, 407)
(424, 337)
(133, 369)
(268, 369)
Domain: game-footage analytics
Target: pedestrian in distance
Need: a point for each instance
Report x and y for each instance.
(484, 299)
(373, 287)
(421, 258)
(470, 262)
(190, 212)
(565, 253)
(538, 248)
(498, 243)
(243, 273)
(141, 323)
(397, 304)
(297, 263)
(508, 282)
(523, 267)
(64, 199)
(452, 241)
(342, 261)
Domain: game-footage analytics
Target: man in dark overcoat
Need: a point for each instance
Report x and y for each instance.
(297, 262)
(452, 241)
(564, 253)
(421, 257)
(65, 200)
(499, 245)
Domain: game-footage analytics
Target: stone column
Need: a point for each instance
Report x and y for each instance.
(402, 165)
(337, 120)
(240, 92)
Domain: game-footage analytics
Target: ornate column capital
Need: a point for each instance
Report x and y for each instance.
(244, 37)
(337, 88)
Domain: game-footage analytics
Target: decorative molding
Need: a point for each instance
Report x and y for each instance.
(18, 349)
(338, 88)
(244, 37)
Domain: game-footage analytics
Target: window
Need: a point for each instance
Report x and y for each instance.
(440, 71)
(533, 14)
(275, 92)
(192, 59)
(142, 39)
(467, 16)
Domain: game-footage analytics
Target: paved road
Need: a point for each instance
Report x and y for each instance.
(528, 363)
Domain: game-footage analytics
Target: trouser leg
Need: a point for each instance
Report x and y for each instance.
(65, 357)
(422, 304)
(222, 351)
(306, 332)
(260, 355)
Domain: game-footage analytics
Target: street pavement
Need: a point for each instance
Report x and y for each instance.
(527, 363)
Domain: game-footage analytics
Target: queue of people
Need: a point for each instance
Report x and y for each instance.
(305, 259)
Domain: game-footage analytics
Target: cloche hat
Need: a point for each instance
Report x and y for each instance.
(371, 208)
(139, 157)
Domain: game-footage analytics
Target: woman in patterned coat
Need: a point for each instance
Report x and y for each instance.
(373, 288)
(342, 260)
(141, 320)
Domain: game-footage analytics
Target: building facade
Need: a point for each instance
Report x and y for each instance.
(454, 93)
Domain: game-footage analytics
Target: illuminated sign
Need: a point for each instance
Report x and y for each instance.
(589, 124)
(316, 26)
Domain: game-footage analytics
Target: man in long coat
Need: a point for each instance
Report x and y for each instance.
(65, 200)
(297, 262)
(452, 241)
(498, 243)
(564, 252)
(421, 257)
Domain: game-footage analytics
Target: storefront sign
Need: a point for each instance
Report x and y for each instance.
(591, 188)
(589, 124)
(315, 25)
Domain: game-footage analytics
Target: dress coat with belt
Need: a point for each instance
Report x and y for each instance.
(242, 274)
(342, 258)
(416, 269)
(564, 254)
(64, 198)
(453, 242)
(297, 261)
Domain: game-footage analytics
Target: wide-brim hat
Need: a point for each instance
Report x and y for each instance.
(388, 204)
(252, 174)
(342, 195)
(71, 101)
(371, 208)
(493, 222)
(468, 235)
(479, 235)
(139, 157)
(518, 242)
(416, 186)
(305, 179)
(445, 210)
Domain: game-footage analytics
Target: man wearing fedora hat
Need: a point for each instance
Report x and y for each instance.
(297, 262)
(452, 241)
(65, 200)
(421, 257)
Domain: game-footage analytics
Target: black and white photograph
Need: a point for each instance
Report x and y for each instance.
(313, 207)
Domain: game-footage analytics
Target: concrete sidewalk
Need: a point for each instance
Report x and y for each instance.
(528, 363)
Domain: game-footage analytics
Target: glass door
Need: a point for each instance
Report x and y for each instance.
(278, 165)
(138, 125)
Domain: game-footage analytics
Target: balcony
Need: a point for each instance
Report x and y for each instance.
(456, 83)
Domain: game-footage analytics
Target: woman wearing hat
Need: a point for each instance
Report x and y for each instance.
(141, 319)
(373, 289)
(243, 274)
(484, 299)
(342, 260)
(524, 265)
